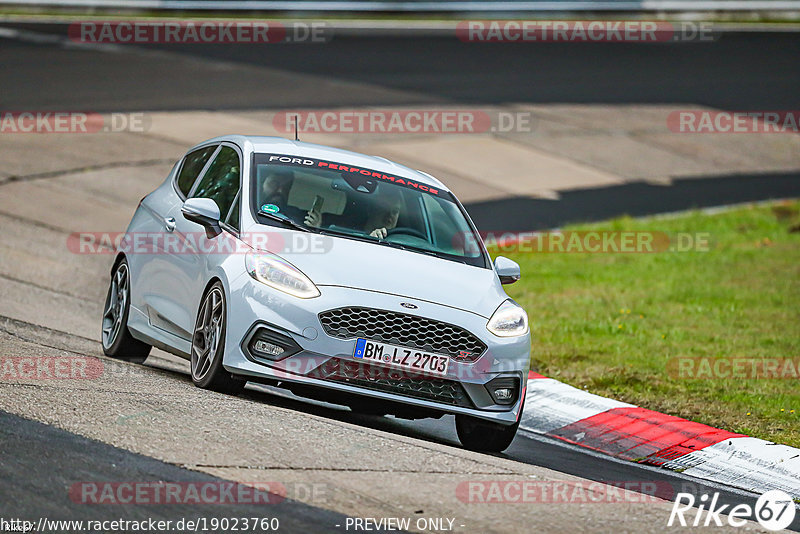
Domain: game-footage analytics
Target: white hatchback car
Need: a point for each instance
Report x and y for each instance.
(342, 277)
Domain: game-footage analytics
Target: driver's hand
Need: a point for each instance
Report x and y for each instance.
(380, 233)
(313, 219)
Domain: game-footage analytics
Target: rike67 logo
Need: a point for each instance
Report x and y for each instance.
(774, 510)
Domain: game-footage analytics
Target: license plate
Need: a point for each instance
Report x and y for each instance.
(401, 357)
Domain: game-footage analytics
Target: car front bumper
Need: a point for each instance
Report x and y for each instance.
(253, 305)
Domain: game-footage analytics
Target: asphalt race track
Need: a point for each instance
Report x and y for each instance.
(738, 71)
(41, 491)
(148, 423)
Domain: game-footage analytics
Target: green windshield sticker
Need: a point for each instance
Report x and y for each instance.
(270, 208)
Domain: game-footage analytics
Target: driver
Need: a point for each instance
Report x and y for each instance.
(385, 216)
(275, 189)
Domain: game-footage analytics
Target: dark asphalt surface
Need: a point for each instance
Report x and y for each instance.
(40, 464)
(739, 71)
(634, 199)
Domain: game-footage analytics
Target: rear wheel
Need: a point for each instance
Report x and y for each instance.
(208, 345)
(116, 338)
(484, 436)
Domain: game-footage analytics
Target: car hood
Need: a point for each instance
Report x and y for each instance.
(369, 266)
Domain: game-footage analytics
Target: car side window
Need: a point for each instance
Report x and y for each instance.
(220, 183)
(193, 163)
(233, 216)
(447, 233)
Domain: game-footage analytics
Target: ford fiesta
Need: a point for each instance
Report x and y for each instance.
(341, 277)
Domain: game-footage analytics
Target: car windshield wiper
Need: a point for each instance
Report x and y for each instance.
(408, 247)
(358, 237)
(426, 251)
(412, 248)
(284, 219)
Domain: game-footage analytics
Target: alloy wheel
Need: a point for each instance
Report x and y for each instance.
(116, 301)
(208, 333)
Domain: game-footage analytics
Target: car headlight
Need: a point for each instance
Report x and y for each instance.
(278, 273)
(508, 320)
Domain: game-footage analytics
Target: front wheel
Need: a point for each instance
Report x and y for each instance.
(116, 339)
(208, 345)
(484, 436)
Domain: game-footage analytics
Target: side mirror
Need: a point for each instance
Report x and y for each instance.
(204, 212)
(507, 270)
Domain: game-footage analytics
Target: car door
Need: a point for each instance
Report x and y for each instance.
(220, 181)
(157, 277)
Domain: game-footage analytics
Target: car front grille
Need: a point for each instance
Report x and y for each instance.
(395, 381)
(403, 329)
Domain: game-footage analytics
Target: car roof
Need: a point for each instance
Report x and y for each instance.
(289, 147)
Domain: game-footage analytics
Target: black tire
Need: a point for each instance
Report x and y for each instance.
(208, 345)
(115, 337)
(484, 436)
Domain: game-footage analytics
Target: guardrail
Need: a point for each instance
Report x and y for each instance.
(458, 6)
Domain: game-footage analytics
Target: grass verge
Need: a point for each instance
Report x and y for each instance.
(611, 322)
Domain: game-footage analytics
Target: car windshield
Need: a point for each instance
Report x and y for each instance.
(363, 204)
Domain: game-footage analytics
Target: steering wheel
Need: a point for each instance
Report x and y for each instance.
(406, 231)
